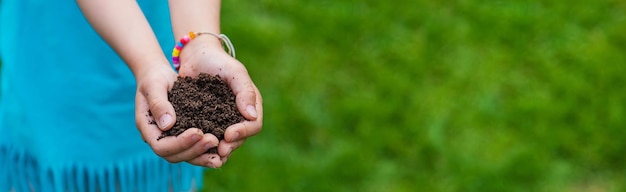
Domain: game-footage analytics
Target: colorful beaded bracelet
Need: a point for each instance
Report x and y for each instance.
(185, 39)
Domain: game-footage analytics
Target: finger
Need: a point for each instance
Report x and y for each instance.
(245, 93)
(225, 148)
(170, 145)
(215, 160)
(207, 142)
(207, 160)
(242, 130)
(162, 110)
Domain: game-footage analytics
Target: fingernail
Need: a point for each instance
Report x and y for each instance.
(251, 110)
(164, 121)
(195, 138)
(208, 146)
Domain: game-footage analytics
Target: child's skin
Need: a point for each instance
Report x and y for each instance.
(122, 24)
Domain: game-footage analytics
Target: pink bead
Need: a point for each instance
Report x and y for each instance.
(184, 40)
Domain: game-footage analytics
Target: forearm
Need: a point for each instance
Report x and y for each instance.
(196, 16)
(123, 26)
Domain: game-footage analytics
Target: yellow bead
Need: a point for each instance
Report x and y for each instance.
(192, 35)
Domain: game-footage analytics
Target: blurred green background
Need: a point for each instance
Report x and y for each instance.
(425, 95)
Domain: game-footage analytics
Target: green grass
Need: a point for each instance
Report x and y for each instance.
(416, 95)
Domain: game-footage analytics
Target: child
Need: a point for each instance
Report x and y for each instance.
(68, 102)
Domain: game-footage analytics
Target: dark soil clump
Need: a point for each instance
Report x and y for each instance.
(206, 103)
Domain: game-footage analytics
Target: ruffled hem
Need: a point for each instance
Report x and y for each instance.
(21, 172)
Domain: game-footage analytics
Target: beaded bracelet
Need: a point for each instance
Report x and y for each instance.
(185, 39)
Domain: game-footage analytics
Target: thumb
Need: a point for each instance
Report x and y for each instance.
(161, 109)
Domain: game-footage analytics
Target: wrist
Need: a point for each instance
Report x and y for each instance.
(149, 67)
(200, 45)
(204, 43)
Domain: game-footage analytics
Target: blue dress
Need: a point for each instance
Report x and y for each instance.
(67, 105)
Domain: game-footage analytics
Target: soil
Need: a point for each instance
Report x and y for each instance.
(206, 103)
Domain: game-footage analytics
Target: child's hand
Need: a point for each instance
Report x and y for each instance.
(204, 54)
(191, 145)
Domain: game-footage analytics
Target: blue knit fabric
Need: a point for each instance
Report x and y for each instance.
(67, 105)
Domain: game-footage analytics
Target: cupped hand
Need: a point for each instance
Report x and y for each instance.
(152, 106)
(205, 54)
